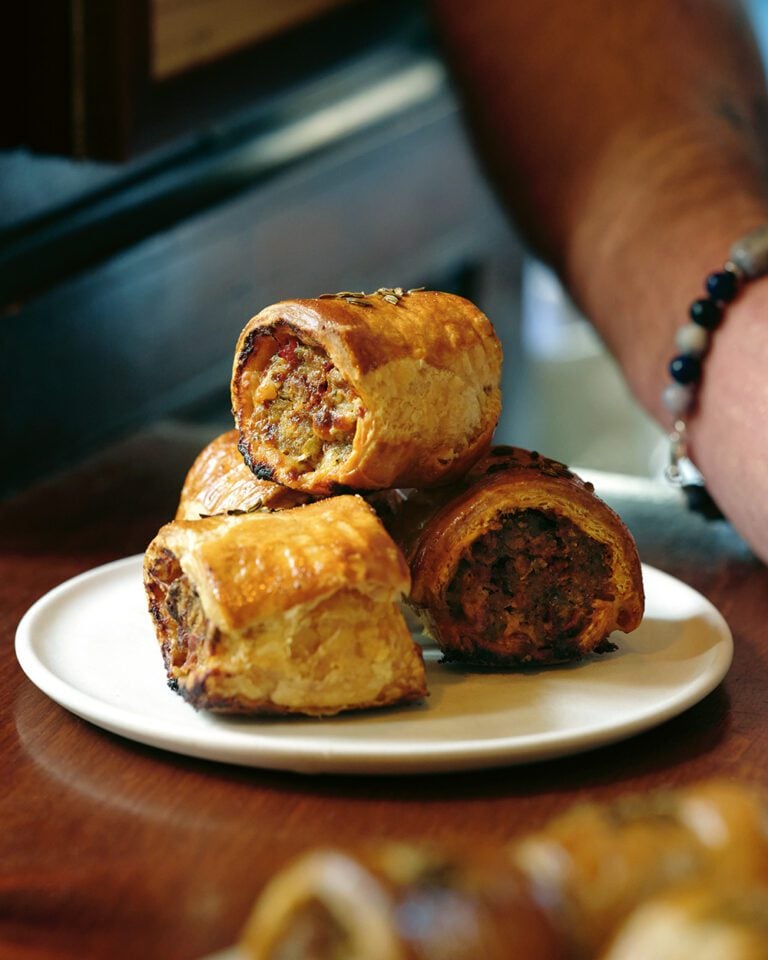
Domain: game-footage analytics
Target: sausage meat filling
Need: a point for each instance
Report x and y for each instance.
(177, 609)
(525, 590)
(305, 408)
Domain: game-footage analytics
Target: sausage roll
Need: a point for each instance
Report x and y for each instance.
(521, 563)
(595, 863)
(288, 612)
(398, 902)
(699, 921)
(220, 482)
(366, 391)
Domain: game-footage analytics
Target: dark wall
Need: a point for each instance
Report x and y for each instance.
(122, 305)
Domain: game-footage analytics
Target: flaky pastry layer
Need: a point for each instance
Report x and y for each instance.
(291, 612)
(220, 482)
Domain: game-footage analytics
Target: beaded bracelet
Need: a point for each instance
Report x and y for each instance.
(748, 260)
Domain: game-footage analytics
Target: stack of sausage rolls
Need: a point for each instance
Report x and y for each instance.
(671, 876)
(360, 473)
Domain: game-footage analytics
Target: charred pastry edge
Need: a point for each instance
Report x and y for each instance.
(246, 350)
(167, 634)
(220, 475)
(544, 466)
(491, 661)
(263, 471)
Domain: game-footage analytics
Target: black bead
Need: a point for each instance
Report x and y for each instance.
(707, 313)
(685, 368)
(722, 286)
(699, 500)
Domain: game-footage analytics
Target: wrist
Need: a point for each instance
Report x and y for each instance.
(727, 428)
(636, 278)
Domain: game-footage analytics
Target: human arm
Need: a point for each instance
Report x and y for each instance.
(629, 142)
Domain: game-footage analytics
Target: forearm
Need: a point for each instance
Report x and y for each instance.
(628, 139)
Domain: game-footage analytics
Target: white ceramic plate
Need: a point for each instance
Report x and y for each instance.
(90, 646)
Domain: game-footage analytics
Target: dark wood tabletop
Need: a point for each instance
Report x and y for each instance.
(109, 848)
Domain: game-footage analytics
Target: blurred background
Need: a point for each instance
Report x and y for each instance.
(169, 167)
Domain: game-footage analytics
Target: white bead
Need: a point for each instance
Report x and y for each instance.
(750, 253)
(692, 338)
(678, 397)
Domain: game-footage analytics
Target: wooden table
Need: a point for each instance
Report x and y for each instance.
(112, 849)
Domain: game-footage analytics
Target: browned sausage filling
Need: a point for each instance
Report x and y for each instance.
(313, 933)
(177, 609)
(530, 585)
(305, 408)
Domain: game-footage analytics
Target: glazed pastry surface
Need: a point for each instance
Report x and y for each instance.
(220, 482)
(364, 393)
(520, 563)
(288, 612)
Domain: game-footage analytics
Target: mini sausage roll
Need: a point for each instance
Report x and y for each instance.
(398, 902)
(596, 863)
(698, 921)
(365, 392)
(220, 482)
(288, 612)
(522, 563)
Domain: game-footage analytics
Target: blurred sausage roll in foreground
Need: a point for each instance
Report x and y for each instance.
(696, 922)
(675, 875)
(220, 482)
(289, 612)
(596, 863)
(520, 563)
(399, 902)
(366, 391)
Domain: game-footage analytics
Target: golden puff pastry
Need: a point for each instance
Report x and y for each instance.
(220, 482)
(521, 563)
(664, 876)
(366, 392)
(288, 612)
(399, 902)
(596, 863)
(696, 922)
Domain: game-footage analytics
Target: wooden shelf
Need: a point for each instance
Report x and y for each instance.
(111, 81)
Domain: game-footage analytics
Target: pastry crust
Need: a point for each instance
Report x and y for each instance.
(596, 863)
(366, 391)
(664, 876)
(398, 902)
(698, 920)
(522, 563)
(220, 482)
(288, 612)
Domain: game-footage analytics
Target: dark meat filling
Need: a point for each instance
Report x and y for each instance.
(532, 580)
(186, 626)
(314, 934)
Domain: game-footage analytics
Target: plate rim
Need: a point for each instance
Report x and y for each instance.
(303, 754)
